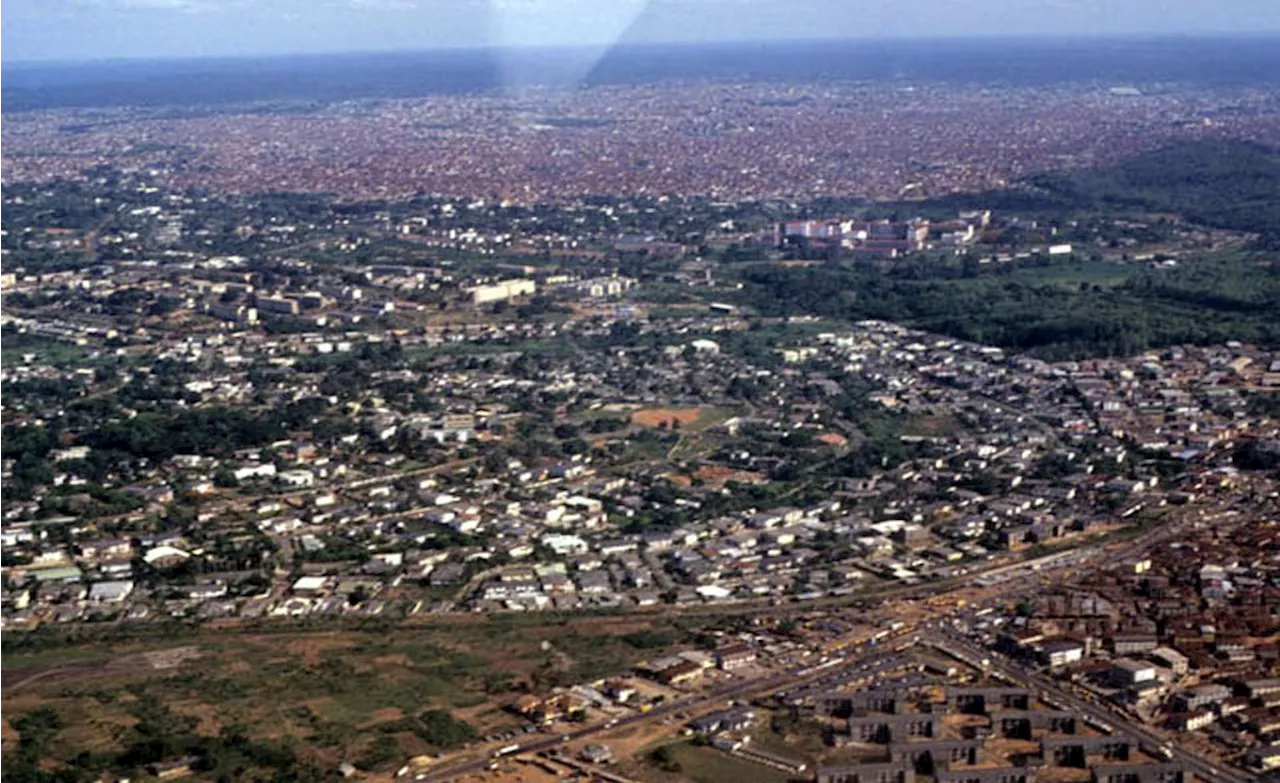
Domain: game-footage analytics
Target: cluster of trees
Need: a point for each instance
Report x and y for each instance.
(1234, 185)
(92, 502)
(157, 437)
(649, 639)
(1209, 301)
(29, 447)
(437, 728)
(1254, 454)
(159, 735)
(117, 445)
(1228, 184)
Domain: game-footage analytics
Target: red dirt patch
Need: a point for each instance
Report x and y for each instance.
(719, 475)
(656, 417)
(311, 649)
(237, 667)
(207, 714)
(9, 736)
(385, 715)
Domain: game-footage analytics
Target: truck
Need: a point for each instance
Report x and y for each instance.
(506, 750)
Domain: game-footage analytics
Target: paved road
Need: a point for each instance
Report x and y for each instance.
(801, 676)
(745, 690)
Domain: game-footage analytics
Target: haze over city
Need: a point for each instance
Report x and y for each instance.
(97, 29)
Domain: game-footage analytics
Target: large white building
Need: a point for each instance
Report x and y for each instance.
(110, 592)
(503, 290)
(1127, 672)
(564, 544)
(599, 287)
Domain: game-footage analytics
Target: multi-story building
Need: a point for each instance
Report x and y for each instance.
(735, 656)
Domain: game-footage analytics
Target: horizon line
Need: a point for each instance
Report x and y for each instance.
(1198, 35)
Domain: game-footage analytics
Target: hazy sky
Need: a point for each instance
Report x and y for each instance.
(92, 29)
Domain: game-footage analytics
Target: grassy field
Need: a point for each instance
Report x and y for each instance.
(47, 351)
(43, 658)
(1070, 276)
(333, 695)
(801, 739)
(707, 765)
(711, 416)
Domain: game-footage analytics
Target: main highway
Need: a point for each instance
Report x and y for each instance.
(719, 698)
(1023, 578)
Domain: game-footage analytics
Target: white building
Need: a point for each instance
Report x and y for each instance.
(1171, 659)
(503, 290)
(563, 544)
(297, 478)
(110, 592)
(254, 470)
(1063, 652)
(1126, 672)
(310, 584)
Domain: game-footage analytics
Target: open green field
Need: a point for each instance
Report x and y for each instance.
(703, 764)
(1071, 276)
(800, 739)
(369, 696)
(14, 347)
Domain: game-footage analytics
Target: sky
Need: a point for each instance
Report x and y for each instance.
(98, 29)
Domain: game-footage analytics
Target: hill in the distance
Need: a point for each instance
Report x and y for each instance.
(1226, 184)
